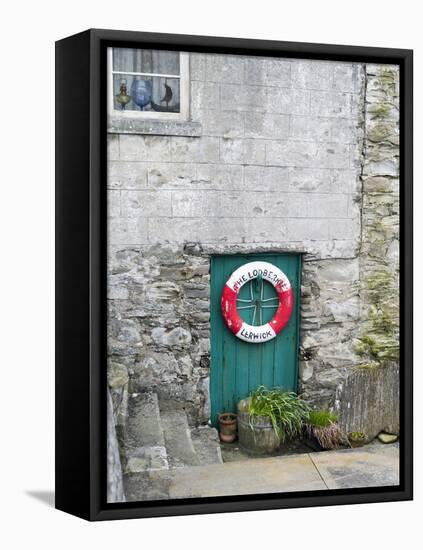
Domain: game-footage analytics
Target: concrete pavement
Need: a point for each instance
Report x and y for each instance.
(373, 465)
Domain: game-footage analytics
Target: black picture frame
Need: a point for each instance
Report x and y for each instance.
(81, 274)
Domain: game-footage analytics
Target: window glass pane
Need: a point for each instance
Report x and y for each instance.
(126, 59)
(145, 61)
(137, 93)
(165, 62)
(166, 95)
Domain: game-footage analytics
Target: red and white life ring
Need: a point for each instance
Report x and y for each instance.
(245, 273)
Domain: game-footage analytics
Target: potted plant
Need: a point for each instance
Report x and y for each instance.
(357, 439)
(268, 417)
(324, 432)
(227, 425)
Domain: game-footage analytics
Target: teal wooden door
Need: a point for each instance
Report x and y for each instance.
(239, 367)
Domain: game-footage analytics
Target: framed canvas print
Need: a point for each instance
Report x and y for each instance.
(234, 274)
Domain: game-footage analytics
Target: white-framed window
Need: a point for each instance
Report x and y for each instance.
(148, 84)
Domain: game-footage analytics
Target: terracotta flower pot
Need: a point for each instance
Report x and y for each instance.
(227, 424)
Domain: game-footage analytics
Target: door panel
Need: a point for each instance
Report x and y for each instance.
(239, 367)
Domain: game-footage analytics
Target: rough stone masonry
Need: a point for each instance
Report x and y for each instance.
(279, 155)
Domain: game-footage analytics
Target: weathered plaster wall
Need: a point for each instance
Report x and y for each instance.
(277, 165)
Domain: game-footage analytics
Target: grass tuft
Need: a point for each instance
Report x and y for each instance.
(286, 411)
(322, 419)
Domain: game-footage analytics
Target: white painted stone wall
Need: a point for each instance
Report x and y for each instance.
(276, 165)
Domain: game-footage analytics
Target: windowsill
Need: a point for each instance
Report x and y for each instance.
(117, 125)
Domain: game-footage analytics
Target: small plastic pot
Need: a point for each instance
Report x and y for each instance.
(356, 442)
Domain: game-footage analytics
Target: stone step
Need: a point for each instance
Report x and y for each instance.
(177, 435)
(206, 445)
(145, 444)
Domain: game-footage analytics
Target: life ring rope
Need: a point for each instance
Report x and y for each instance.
(231, 316)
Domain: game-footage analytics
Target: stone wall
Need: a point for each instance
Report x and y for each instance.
(274, 162)
(376, 380)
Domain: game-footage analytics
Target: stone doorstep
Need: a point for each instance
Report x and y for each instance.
(375, 465)
(207, 445)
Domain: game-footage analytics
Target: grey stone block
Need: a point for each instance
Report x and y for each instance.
(344, 229)
(127, 230)
(204, 95)
(243, 98)
(308, 229)
(267, 178)
(343, 271)
(327, 206)
(232, 151)
(312, 75)
(339, 130)
(227, 124)
(220, 176)
(191, 204)
(265, 125)
(348, 77)
(127, 175)
(144, 204)
(388, 167)
(171, 175)
(197, 65)
(112, 147)
(224, 68)
(175, 337)
(205, 149)
(242, 151)
(268, 72)
(336, 104)
(223, 230)
(224, 204)
(346, 131)
(113, 204)
(307, 154)
(310, 179)
(137, 147)
(308, 128)
(287, 101)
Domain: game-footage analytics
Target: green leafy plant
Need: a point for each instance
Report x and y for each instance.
(286, 411)
(324, 427)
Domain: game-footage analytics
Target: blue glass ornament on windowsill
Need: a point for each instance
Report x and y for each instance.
(141, 93)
